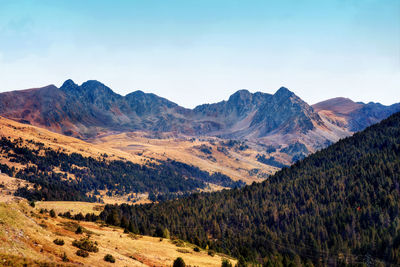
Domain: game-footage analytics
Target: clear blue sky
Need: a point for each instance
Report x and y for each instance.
(194, 52)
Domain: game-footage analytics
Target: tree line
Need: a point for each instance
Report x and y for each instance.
(57, 175)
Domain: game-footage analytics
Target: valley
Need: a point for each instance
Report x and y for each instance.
(199, 133)
(233, 180)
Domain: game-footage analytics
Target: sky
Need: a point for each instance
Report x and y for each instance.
(195, 52)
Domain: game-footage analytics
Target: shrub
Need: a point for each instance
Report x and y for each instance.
(32, 203)
(59, 242)
(166, 233)
(65, 258)
(178, 243)
(82, 253)
(109, 258)
(211, 253)
(52, 213)
(196, 249)
(179, 262)
(182, 250)
(86, 244)
(79, 230)
(226, 263)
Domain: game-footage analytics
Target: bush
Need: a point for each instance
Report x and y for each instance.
(79, 230)
(65, 258)
(82, 253)
(178, 243)
(32, 203)
(182, 250)
(52, 213)
(179, 262)
(86, 244)
(166, 233)
(109, 258)
(59, 242)
(226, 263)
(211, 253)
(196, 249)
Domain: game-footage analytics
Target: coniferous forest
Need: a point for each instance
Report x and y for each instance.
(162, 179)
(338, 206)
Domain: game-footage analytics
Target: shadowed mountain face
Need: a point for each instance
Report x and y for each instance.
(282, 118)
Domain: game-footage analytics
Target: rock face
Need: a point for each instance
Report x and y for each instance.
(92, 108)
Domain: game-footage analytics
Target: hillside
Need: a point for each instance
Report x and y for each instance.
(338, 206)
(351, 115)
(92, 109)
(27, 239)
(232, 158)
(58, 175)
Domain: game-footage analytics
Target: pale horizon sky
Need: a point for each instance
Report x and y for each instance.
(195, 52)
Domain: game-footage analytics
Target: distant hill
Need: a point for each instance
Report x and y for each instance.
(351, 115)
(230, 157)
(338, 206)
(58, 175)
(280, 119)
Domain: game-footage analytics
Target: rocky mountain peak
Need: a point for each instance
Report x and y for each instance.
(96, 87)
(69, 85)
(285, 112)
(283, 92)
(242, 94)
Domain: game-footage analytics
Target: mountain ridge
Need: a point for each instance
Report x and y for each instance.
(354, 116)
(91, 109)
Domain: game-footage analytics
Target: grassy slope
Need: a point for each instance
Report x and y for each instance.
(136, 147)
(235, 164)
(26, 236)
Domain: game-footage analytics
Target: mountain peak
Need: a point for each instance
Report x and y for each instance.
(92, 83)
(242, 91)
(283, 91)
(240, 94)
(68, 84)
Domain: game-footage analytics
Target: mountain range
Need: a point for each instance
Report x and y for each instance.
(92, 109)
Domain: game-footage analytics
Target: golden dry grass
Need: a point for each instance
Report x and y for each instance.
(74, 207)
(15, 130)
(236, 164)
(8, 186)
(26, 234)
(138, 148)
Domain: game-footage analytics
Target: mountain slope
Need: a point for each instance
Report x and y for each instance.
(57, 175)
(351, 115)
(86, 110)
(227, 157)
(27, 237)
(335, 206)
